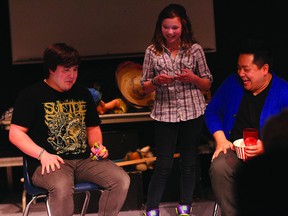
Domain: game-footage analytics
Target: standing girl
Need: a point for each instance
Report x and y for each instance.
(175, 67)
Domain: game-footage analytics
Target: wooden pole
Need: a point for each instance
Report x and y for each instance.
(142, 160)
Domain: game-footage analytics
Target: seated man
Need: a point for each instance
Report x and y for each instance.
(244, 100)
(55, 124)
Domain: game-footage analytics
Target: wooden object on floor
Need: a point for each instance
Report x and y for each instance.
(143, 160)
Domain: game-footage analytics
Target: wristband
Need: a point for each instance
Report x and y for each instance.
(40, 154)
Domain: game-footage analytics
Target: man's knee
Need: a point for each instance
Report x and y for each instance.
(219, 167)
(62, 186)
(125, 181)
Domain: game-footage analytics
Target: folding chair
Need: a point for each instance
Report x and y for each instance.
(37, 192)
(215, 209)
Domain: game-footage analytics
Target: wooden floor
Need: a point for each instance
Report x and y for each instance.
(199, 208)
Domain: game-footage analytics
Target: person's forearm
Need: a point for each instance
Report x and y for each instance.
(94, 135)
(219, 136)
(202, 83)
(23, 142)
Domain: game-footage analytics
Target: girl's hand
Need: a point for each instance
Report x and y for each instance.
(163, 79)
(187, 76)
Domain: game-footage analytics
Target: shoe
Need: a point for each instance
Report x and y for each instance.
(153, 212)
(183, 210)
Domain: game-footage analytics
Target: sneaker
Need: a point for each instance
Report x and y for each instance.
(183, 210)
(153, 212)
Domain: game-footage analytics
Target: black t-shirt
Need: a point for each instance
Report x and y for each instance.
(249, 112)
(57, 121)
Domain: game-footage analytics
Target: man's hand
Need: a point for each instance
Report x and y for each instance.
(254, 150)
(222, 146)
(98, 151)
(50, 162)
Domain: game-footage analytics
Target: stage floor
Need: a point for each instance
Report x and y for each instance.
(199, 208)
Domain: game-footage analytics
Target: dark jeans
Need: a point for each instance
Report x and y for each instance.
(166, 137)
(60, 185)
(223, 174)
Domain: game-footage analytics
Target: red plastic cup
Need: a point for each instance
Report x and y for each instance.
(250, 136)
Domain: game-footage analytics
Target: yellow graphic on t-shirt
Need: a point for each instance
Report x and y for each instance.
(67, 130)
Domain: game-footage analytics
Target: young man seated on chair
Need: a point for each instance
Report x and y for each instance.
(56, 125)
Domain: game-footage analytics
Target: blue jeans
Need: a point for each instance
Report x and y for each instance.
(223, 174)
(166, 137)
(60, 185)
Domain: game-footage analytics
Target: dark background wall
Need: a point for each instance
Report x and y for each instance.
(234, 20)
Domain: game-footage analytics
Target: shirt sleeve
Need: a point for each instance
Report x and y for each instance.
(203, 70)
(148, 65)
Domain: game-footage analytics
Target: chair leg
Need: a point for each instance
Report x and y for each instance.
(215, 209)
(32, 201)
(47, 206)
(86, 203)
(24, 202)
(27, 208)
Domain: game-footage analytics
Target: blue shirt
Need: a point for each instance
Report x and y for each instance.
(222, 110)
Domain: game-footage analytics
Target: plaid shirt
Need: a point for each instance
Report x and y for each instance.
(177, 101)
